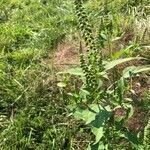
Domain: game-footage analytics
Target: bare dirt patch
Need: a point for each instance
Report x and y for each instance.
(66, 56)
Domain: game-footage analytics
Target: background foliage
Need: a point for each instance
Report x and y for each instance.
(35, 111)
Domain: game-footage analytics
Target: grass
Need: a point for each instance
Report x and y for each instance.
(35, 102)
(29, 33)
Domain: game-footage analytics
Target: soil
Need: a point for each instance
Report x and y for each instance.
(66, 56)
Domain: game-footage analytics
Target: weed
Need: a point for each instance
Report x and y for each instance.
(106, 107)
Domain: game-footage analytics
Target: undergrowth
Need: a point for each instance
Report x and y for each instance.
(94, 106)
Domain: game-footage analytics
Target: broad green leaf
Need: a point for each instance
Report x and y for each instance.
(98, 132)
(101, 117)
(142, 69)
(112, 64)
(96, 115)
(86, 115)
(132, 138)
(127, 72)
(103, 74)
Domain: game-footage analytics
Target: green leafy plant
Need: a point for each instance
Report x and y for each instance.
(102, 104)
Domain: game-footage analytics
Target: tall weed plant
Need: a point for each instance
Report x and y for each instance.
(102, 101)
